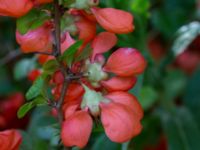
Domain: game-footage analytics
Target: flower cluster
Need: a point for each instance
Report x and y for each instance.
(97, 86)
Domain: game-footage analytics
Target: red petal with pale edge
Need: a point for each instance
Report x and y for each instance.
(126, 62)
(102, 43)
(126, 99)
(114, 20)
(119, 83)
(120, 122)
(10, 140)
(76, 129)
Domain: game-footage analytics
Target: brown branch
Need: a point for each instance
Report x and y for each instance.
(10, 56)
(57, 54)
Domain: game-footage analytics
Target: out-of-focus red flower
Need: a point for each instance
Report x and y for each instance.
(156, 48)
(8, 112)
(125, 62)
(114, 20)
(162, 145)
(38, 40)
(15, 8)
(189, 60)
(42, 1)
(76, 129)
(33, 74)
(10, 140)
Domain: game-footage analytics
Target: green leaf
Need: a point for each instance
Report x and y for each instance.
(181, 130)
(136, 89)
(103, 143)
(84, 54)
(69, 54)
(192, 95)
(24, 109)
(23, 67)
(50, 66)
(36, 88)
(147, 97)
(185, 35)
(174, 84)
(27, 143)
(141, 7)
(32, 20)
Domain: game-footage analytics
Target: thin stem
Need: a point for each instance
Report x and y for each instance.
(57, 54)
(57, 17)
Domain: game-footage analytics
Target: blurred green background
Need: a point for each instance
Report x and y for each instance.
(167, 33)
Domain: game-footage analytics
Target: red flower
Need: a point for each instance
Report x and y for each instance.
(120, 115)
(8, 112)
(119, 83)
(15, 8)
(114, 20)
(102, 43)
(38, 40)
(120, 122)
(10, 140)
(86, 29)
(33, 74)
(42, 1)
(67, 41)
(125, 62)
(76, 129)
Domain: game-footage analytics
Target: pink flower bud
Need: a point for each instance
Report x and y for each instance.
(38, 40)
(114, 20)
(102, 43)
(15, 8)
(126, 62)
(76, 129)
(119, 83)
(126, 99)
(120, 122)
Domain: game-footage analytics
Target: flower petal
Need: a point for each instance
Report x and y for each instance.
(10, 140)
(15, 8)
(126, 99)
(119, 83)
(102, 43)
(37, 40)
(120, 122)
(77, 129)
(114, 20)
(126, 62)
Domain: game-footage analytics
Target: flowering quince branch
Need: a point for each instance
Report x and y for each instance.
(85, 86)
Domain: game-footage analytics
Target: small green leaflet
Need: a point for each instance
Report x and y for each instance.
(69, 54)
(36, 88)
(50, 66)
(28, 106)
(84, 54)
(31, 21)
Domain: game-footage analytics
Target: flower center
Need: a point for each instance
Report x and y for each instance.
(95, 73)
(91, 100)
